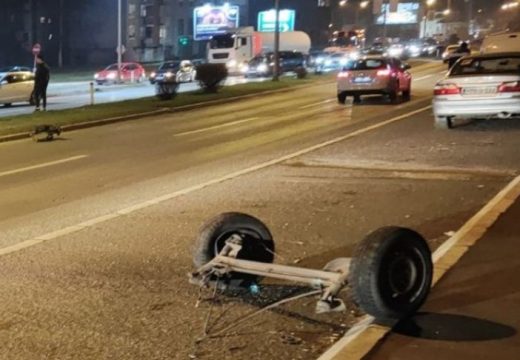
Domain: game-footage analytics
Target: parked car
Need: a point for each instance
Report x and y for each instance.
(16, 86)
(130, 72)
(263, 65)
(167, 70)
(186, 72)
(374, 75)
(479, 86)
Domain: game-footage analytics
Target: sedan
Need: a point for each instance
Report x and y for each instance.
(167, 71)
(479, 86)
(130, 72)
(16, 86)
(374, 75)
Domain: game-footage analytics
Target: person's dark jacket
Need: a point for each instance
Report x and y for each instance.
(41, 76)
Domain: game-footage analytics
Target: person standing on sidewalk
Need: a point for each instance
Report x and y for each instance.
(41, 81)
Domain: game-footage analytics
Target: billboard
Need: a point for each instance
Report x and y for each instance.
(211, 20)
(407, 13)
(267, 20)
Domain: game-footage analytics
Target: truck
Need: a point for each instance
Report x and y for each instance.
(237, 47)
(501, 42)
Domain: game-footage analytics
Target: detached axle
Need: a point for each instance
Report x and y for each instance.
(390, 273)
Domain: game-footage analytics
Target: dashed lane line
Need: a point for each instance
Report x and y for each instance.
(169, 196)
(191, 132)
(42, 165)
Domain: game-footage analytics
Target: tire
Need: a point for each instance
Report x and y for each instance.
(392, 95)
(407, 94)
(258, 244)
(391, 273)
(443, 122)
(357, 99)
(342, 98)
(9, 104)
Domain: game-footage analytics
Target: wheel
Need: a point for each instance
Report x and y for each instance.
(258, 244)
(443, 122)
(391, 273)
(357, 99)
(407, 94)
(9, 104)
(393, 96)
(342, 97)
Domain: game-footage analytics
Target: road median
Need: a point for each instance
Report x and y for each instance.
(18, 127)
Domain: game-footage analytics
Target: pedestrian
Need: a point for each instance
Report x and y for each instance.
(461, 51)
(41, 81)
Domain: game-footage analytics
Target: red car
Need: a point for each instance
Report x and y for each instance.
(130, 72)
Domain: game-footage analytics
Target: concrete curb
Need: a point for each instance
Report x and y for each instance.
(367, 333)
(112, 120)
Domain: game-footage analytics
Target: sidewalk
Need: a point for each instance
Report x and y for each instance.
(474, 310)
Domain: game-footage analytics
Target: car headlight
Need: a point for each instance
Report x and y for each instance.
(354, 55)
(152, 74)
(328, 62)
(261, 68)
(168, 74)
(231, 63)
(343, 61)
(319, 60)
(111, 76)
(244, 68)
(96, 75)
(395, 52)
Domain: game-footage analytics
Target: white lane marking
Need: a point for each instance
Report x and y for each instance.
(128, 210)
(316, 104)
(216, 127)
(364, 335)
(39, 166)
(423, 77)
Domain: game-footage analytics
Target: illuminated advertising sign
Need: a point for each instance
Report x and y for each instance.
(267, 20)
(407, 13)
(212, 20)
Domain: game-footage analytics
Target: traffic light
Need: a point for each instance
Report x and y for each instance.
(184, 40)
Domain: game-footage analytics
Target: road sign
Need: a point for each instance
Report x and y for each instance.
(184, 40)
(267, 20)
(36, 49)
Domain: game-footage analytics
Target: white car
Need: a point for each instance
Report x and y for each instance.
(16, 86)
(479, 86)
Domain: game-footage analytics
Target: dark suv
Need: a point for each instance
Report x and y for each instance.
(263, 65)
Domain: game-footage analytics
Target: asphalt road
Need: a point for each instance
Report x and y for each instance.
(97, 228)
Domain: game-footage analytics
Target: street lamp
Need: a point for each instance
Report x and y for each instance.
(119, 41)
(276, 40)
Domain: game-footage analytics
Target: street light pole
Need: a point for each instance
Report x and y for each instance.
(119, 41)
(276, 40)
(386, 9)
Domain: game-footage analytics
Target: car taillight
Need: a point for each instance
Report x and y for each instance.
(343, 74)
(507, 87)
(446, 89)
(385, 72)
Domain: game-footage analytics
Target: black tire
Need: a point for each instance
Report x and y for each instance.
(9, 105)
(391, 273)
(357, 99)
(407, 94)
(342, 98)
(392, 95)
(258, 244)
